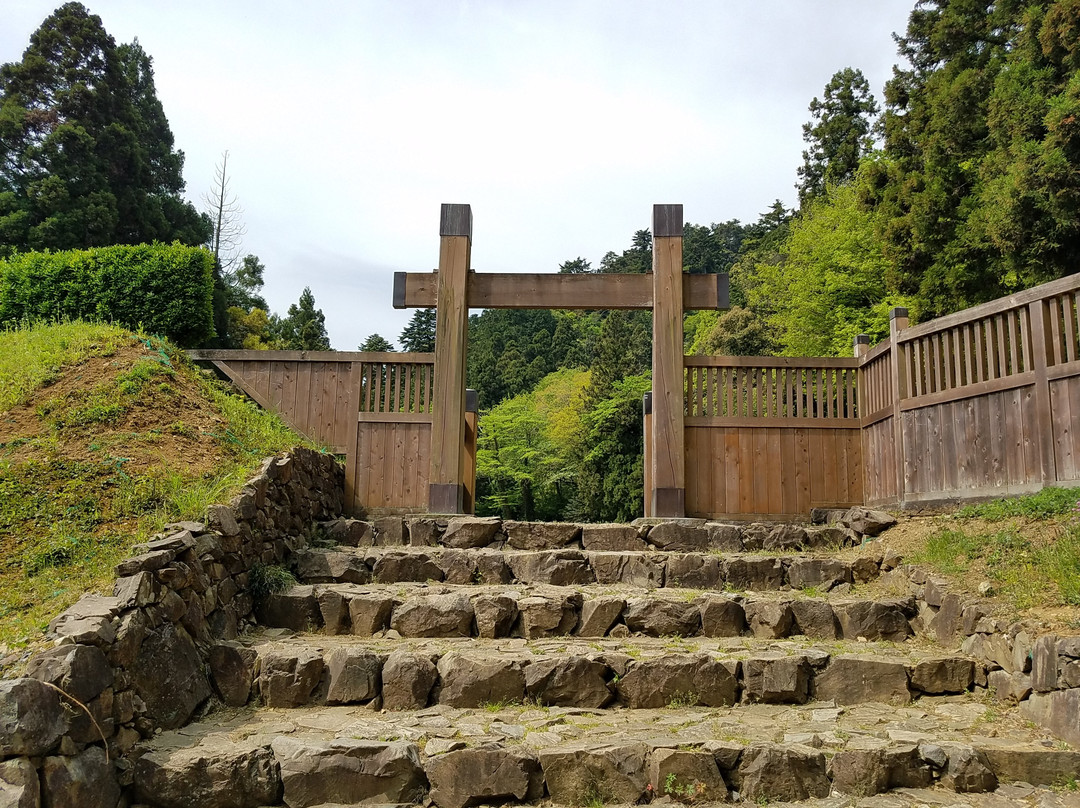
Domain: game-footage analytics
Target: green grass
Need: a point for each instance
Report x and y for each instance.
(65, 521)
(1031, 557)
(1042, 505)
(31, 358)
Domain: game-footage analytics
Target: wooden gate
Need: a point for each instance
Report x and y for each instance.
(373, 408)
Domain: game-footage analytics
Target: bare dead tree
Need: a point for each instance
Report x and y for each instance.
(226, 214)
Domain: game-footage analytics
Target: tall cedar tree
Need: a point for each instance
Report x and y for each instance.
(838, 136)
(304, 328)
(419, 335)
(86, 153)
(981, 185)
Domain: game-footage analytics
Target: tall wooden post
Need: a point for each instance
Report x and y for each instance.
(668, 449)
(898, 321)
(1042, 355)
(446, 479)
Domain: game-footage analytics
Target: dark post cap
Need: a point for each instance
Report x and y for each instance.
(455, 220)
(399, 290)
(667, 220)
(899, 311)
(471, 400)
(862, 339)
(646, 404)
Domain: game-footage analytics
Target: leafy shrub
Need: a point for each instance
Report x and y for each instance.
(164, 289)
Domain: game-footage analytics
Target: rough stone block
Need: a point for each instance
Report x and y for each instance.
(329, 566)
(943, 675)
(686, 775)
(231, 673)
(722, 617)
(776, 773)
(659, 617)
(407, 680)
(434, 616)
(753, 574)
(769, 619)
(389, 531)
(679, 536)
(549, 615)
(873, 620)
(856, 679)
(569, 682)
(471, 681)
(485, 776)
(693, 571)
(495, 615)
(296, 609)
(288, 678)
(680, 680)
(168, 676)
(32, 718)
(209, 776)
(814, 618)
(726, 538)
(541, 535)
(612, 537)
(554, 567)
(628, 569)
(347, 772)
(467, 532)
(784, 537)
(598, 615)
(391, 567)
(355, 676)
(824, 573)
(369, 614)
(19, 784)
(79, 670)
(776, 679)
(614, 773)
(86, 780)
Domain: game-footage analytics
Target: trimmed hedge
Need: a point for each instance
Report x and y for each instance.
(164, 289)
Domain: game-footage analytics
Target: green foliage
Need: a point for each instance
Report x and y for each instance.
(419, 335)
(160, 288)
(1041, 505)
(981, 192)
(86, 153)
(735, 332)
(376, 343)
(251, 330)
(611, 475)
(839, 135)
(67, 522)
(31, 357)
(269, 579)
(832, 281)
(527, 450)
(304, 328)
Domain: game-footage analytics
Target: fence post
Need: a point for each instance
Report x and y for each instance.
(445, 481)
(1041, 351)
(352, 436)
(668, 484)
(472, 419)
(646, 420)
(862, 345)
(898, 321)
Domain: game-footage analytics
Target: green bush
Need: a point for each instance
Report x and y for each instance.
(164, 289)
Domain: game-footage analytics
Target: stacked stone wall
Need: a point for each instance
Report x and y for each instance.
(127, 666)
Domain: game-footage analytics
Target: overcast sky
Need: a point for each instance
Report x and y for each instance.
(561, 123)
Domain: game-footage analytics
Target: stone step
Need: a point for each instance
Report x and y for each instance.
(525, 754)
(568, 567)
(443, 610)
(467, 532)
(396, 674)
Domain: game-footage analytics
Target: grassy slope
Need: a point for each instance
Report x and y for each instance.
(1026, 550)
(106, 436)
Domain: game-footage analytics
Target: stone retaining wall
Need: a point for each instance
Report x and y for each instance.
(129, 665)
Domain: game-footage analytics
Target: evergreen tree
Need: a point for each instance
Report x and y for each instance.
(980, 188)
(304, 328)
(419, 335)
(376, 343)
(839, 135)
(86, 154)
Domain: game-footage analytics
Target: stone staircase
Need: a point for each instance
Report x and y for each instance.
(466, 662)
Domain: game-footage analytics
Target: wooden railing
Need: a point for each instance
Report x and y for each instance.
(396, 383)
(735, 387)
(979, 403)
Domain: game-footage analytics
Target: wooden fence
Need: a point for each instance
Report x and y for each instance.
(981, 403)
(374, 408)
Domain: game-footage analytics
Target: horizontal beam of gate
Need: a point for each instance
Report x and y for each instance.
(509, 290)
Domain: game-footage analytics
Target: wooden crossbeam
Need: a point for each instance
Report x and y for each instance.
(511, 290)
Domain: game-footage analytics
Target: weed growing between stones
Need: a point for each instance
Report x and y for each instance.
(681, 700)
(684, 792)
(268, 579)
